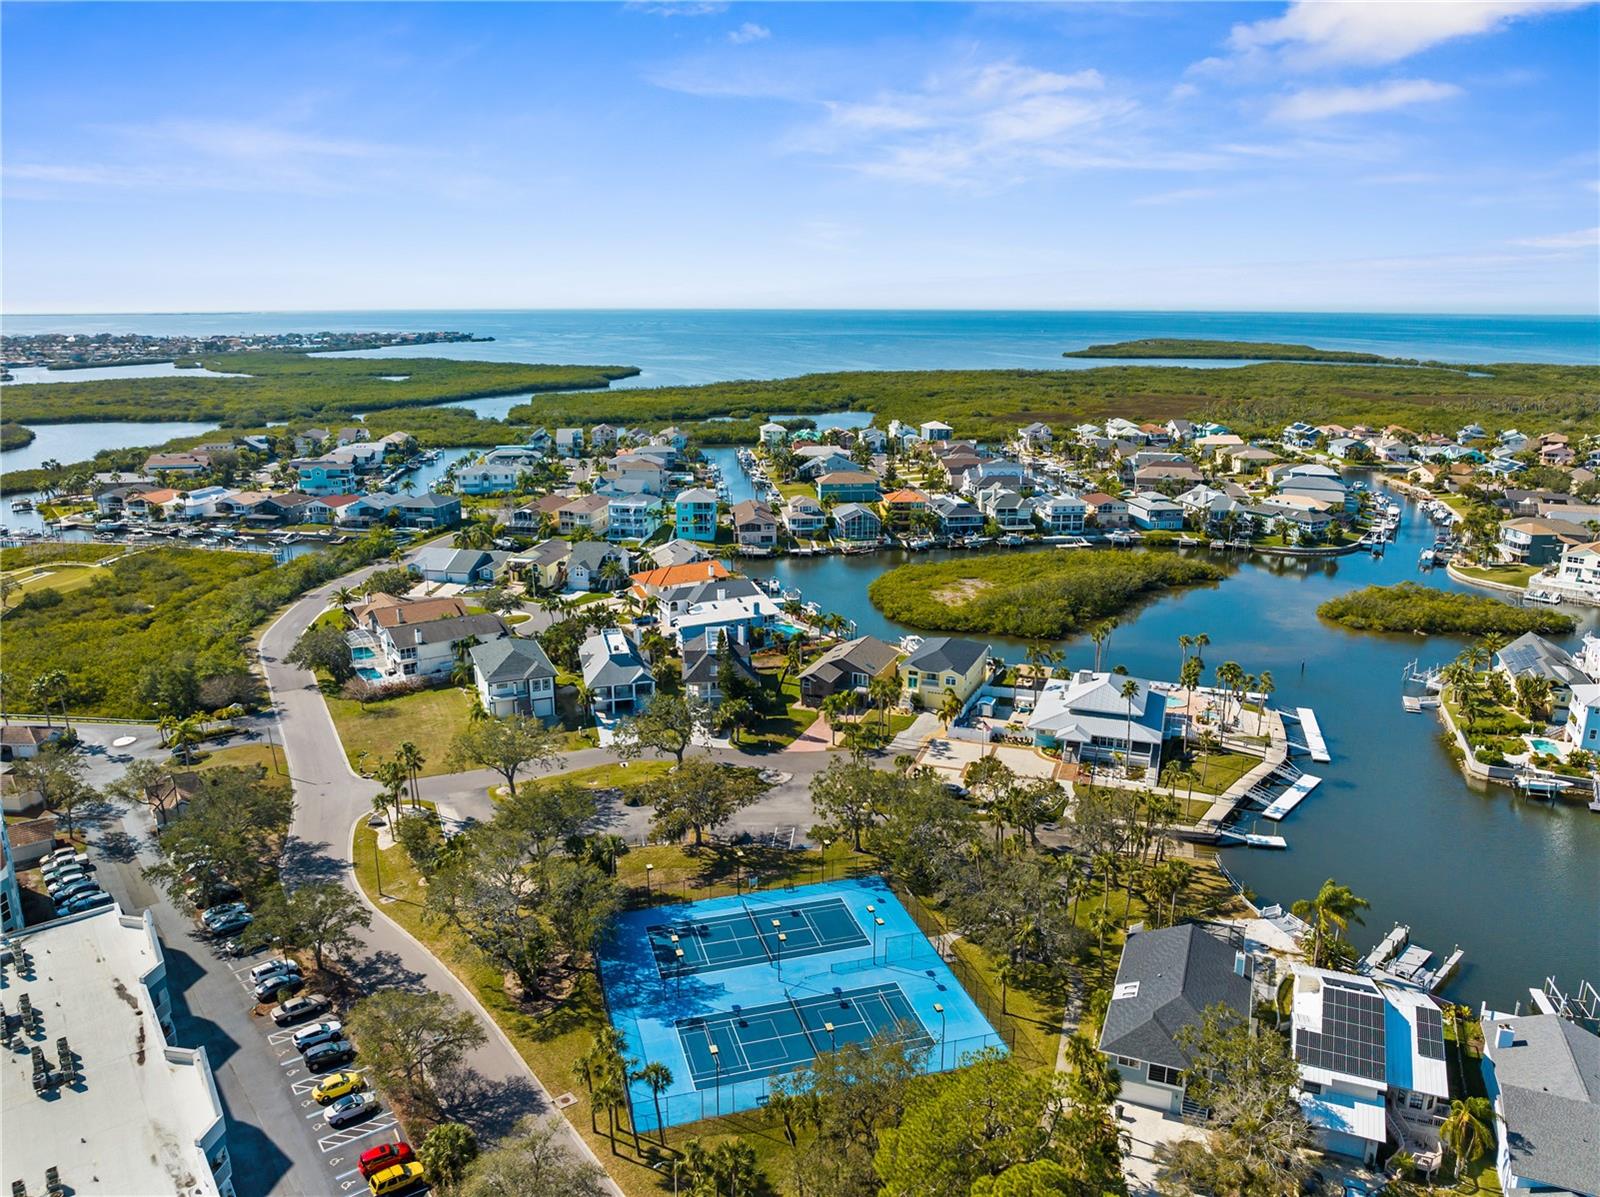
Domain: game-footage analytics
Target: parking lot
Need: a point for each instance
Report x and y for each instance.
(338, 1148)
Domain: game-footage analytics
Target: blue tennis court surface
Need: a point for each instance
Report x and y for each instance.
(770, 980)
(760, 932)
(789, 1034)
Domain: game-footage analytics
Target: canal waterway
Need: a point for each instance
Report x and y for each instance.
(1515, 882)
(68, 443)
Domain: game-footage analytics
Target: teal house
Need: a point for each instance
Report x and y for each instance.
(695, 512)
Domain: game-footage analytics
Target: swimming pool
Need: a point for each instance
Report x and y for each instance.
(1540, 744)
(371, 675)
(362, 654)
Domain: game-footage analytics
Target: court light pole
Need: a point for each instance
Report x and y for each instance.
(832, 1046)
(649, 894)
(826, 844)
(777, 955)
(876, 923)
(939, 1010)
(716, 1058)
(679, 970)
(738, 871)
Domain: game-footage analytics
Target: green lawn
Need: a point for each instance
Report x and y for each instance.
(1506, 575)
(60, 578)
(430, 719)
(1217, 771)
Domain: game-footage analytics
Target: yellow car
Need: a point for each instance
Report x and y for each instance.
(396, 1179)
(336, 1085)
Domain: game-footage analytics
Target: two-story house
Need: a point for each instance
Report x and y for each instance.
(416, 638)
(325, 475)
(695, 514)
(587, 513)
(856, 522)
(632, 517)
(597, 565)
(1542, 1073)
(944, 665)
(1537, 540)
(514, 677)
(1153, 511)
(615, 674)
(956, 516)
(848, 486)
(805, 518)
(847, 667)
(754, 525)
(1108, 511)
(1062, 515)
(703, 660)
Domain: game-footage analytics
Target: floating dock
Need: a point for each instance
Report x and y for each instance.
(1315, 744)
(1396, 958)
(1416, 704)
(1252, 840)
(1292, 797)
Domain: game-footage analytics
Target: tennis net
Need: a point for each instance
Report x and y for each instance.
(789, 997)
(760, 938)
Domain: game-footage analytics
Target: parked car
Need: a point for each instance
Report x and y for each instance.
(222, 914)
(64, 854)
(77, 889)
(383, 1156)
(396, 1179)
(262, 971)
(351, 1108)
(276, 983)
(330, 1055)
(64, 878)
(336, 1085)
(322, 1032)
(90, 901)
(65, 864)
(298, 1009)
(232, 925)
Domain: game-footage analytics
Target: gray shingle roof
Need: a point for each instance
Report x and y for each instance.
(512, 659)
(1549, 1081)
(1179, 973)
(939, 653)
(1532, 653)
(866, 654)
(458, 627)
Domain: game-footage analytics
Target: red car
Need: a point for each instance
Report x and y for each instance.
(385, 1155)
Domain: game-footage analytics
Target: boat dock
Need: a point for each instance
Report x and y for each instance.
(1396, 958)
(1292, 797)
(1416, 703)
(1315, 744)
(1252, 839)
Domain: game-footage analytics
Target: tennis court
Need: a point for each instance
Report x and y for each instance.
(753, 933)
(762, 978)
(789, 1034)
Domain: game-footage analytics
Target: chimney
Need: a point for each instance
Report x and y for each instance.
(418, 635)
(399, 615)
(1238, 964)
(1504, 1035)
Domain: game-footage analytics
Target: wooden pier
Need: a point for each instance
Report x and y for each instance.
(1292, 797)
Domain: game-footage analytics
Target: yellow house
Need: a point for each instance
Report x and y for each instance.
(944, 665)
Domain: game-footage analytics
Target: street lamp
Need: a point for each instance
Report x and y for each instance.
(716, 1058)
(649, 895)
(826, 844)
(939, 1010)
(738, 871)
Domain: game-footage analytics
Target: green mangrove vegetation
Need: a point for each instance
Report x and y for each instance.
(161, 632)
(1056, 593)
(1252, 400)
(1243, 351)
(296, 386)
(1413, 607)
(14, 436)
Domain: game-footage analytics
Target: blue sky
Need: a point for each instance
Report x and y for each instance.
(1392, 157)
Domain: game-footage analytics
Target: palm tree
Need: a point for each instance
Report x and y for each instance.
(1330, 914)
(1184, 644)
(733, 1163)
(885, 693)
(1129, 692)
(587, 1070)
(950, 709)
(410, 756)
(52, 685)
(659, 1077)
(1100, 634)
(1100, 922)
(1038, 656)
(833, 709)
(1464, 1133)
(344, 596)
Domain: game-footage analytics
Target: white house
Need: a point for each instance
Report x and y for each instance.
(514, 677)
(615, 674)
(1062, 515)
(1087, 718)
(935, 430)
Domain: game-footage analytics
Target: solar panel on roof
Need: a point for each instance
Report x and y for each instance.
(1352, 1037)
(1430, 1033)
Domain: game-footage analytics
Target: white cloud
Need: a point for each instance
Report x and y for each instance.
(1577, 239)
(1327, 32)
(1182, 195)
(749, 32)
(688, 8)
(1323, 103)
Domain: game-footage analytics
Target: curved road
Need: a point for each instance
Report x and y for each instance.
(329, 798)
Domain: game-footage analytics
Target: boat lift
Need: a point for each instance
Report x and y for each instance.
(1292, 797)
(1315, 744)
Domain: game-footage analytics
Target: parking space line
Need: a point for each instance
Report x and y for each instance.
(330, 1142)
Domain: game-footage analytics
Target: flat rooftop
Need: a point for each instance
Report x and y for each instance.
(130, 1126)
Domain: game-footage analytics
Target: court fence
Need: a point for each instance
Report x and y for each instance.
(753, 1093)
(939, 938)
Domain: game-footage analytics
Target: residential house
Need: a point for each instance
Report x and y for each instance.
(1583, 717)
(956, 516)
(1173, 473)
(805, 518)
(677, 552)
(325, 475)
(1542, 1072)
(1554, 454)
(1223, 444)
(177, 463)
(935, 431)
(847, 667)
(615, 674)
(1167, 980)
(596, 565)
(1471, 432)
(1207, 503)
(1062, 515)
(695, 514)
(1349, 448)
(993, 470)
(543, 566)
(848, 486)
(286, 508)
(661, 583)
(1251, 459)
(1035, 436)
(569, 442)
(1087, 718)
(1369, 1053)
(1107, 511)
(817, 460)
(1153, 511)
(1535, 540)
(240, 504)
(901, 507)
(418, 639)
(488, 478)
(1531, 655)
(327, 509)
(22, 741)
(635, 473)
(1009, 510)
(586, 513)
(673, 437)
(528, 518)
(1119, 429)
(1180, 430)
(602, 436)
(702, 667)
(944, 665)
(632, 517)
(773, 434)
(309, 441)
(465, 567)
(754, 525)
(1298, 523)
(514, 677)
(1299, 435)
(1580, 568)
(854, 521)
(427, 510)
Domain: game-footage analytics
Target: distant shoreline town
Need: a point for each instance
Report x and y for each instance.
(82, 351)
